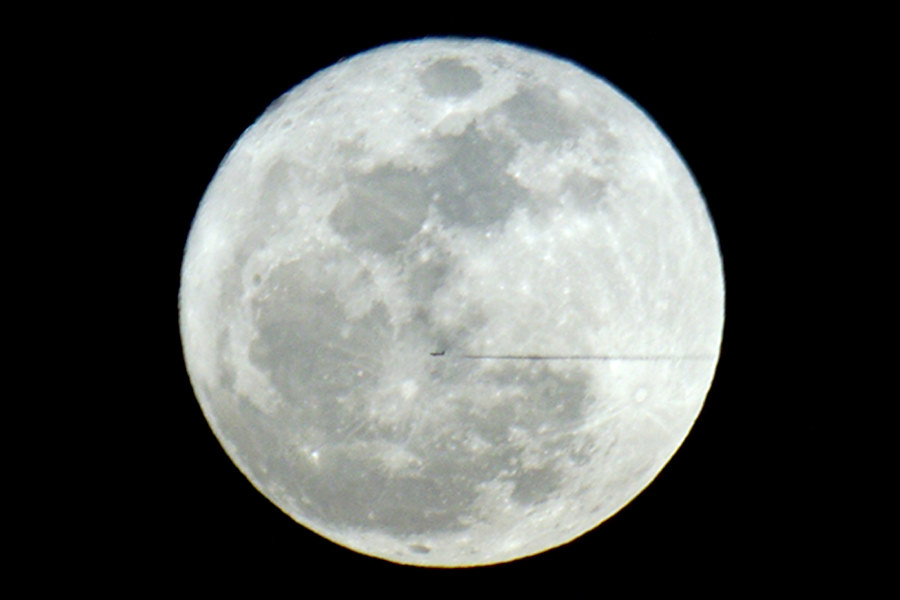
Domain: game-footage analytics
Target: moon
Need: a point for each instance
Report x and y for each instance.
(451, 302)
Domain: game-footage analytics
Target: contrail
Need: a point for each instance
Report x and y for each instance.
(581, 356)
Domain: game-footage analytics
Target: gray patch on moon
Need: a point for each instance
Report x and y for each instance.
(472, 186)
(536, 114)
(450, 77)
(350, 489)
(534, 486)
(249, 429)
(386, 207)
(312, 352)
(540, 403)
(383, 210)
(280, 186)
(276, 104)
(548, 398)
(282, 189)
(313, 362)
(587, 193)
(425, 277)
(227, 376)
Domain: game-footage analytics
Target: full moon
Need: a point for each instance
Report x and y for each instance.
(451, 302)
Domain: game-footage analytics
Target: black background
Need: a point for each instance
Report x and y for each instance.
(747, 498)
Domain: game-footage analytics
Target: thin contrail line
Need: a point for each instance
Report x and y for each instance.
(583, 356)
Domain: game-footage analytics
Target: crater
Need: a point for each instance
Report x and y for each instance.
(449, 77)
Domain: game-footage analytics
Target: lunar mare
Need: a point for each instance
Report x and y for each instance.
(414, 207)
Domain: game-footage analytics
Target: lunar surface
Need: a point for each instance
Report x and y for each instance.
(452, 302)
